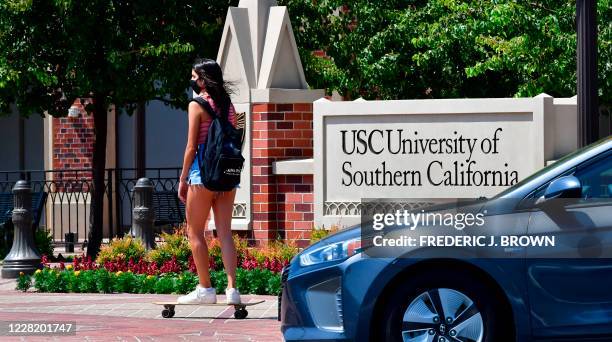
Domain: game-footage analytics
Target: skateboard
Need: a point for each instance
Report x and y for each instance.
(239, 313)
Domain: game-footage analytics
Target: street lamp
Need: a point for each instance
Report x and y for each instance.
(586, 80)
(74, 111)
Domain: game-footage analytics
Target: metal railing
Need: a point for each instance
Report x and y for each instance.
(66, 209)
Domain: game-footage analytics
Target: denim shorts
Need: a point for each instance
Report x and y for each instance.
(194, 172)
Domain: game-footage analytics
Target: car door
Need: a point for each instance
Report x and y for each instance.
(570, 284)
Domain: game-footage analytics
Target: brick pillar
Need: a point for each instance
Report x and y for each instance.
(72, 147)
(296, 216)
(282, 204)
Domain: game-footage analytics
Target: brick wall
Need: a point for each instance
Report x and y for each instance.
(73, 140)
(296, 215)
(282, 204)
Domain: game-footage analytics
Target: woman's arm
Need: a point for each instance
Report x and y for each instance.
(194, 112)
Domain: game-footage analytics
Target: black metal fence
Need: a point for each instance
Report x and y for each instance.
(66, 209)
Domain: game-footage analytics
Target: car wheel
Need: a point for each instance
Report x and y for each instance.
(444, 306)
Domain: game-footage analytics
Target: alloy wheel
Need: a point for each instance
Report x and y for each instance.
(442, 315)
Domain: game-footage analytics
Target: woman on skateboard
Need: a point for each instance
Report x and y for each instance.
(207, 81)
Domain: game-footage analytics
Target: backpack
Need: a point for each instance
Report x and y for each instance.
(221, 160)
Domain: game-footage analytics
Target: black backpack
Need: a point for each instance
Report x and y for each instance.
(221, 161)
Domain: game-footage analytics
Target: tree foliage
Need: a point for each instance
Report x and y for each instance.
(119, 52)
(54, 51)
(396, 49)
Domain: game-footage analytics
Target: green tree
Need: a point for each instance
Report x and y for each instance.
(116, 52)
(395, 49)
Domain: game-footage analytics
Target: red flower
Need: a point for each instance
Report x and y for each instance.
(249, 262)
(170, 266)
(191, 264)
(44, 260)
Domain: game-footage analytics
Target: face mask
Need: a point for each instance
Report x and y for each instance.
(195, 86)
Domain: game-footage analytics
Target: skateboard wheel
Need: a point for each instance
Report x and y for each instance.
(167, 313)
(241, 313)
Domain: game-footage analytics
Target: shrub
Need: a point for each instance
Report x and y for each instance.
(279, 250)
(186, 282)
(164, 284)
(43, 239)
(103, 280)
(218, 279)
(255, 281)
(24, 282)
(242, 246)
(319, 233)
(50, 280)
(214, 253)
(274, 284)
(146, 283)
(86, 281)
(72, 281)
(122, 249)
(125, 282)
(174, 245)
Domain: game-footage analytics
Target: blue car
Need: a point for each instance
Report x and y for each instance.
(334, 291)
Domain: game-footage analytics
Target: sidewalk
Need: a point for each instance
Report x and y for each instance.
(133, 317)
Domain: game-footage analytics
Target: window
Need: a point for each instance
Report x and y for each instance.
(596, 178)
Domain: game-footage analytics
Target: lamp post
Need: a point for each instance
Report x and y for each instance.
(23, 256)
(586, 34)
(143, 215)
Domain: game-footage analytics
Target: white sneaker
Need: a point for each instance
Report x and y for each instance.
(201, 295)
(232, 296)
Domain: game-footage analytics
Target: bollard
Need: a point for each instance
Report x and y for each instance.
(143, 214)
(69, 240)
(23, 256)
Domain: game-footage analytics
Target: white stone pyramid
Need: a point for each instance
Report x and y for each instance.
(258, 49)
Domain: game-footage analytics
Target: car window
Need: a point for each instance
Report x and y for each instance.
(529, 201)
(539, 192)
(557, 164)
(596, 178)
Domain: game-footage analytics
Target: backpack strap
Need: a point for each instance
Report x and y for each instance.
(208, 107)
(202, 102)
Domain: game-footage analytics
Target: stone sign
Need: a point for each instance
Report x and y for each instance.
(455, 148)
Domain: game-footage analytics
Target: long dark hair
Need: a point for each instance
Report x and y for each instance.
(219, 90)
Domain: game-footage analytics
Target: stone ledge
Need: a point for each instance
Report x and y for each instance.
(277, 95)
(293, 167)
(237, 224)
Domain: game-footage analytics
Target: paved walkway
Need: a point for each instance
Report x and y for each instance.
(133, 317)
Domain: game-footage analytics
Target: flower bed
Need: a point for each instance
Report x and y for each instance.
(124, 266)
(174, 255)
(100, 280)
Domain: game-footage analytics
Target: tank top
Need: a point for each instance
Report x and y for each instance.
(205, 124)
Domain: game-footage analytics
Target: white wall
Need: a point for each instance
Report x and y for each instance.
(9, 142)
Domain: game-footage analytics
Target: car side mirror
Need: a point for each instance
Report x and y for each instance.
(564, 187)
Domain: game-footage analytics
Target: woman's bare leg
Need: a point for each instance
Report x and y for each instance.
(223, 207)
(197, 209)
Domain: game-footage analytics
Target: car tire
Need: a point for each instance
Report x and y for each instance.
(497, 324)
